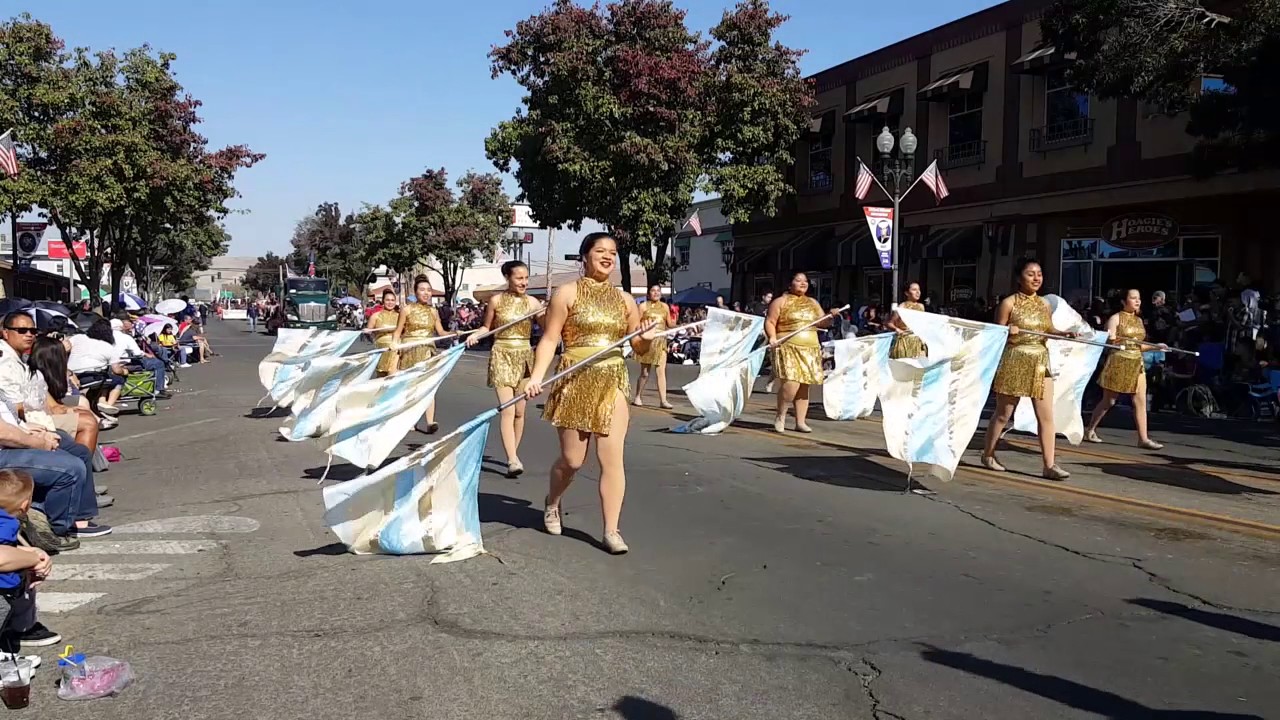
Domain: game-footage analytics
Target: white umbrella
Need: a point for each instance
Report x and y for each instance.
(170, 306)
(154, 328)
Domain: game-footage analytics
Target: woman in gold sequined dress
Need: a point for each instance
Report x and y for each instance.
(1124, 373)
(1024, 368)
(418, 322)
(905, 344)
(588, 316)
(659, 313)
(381, 326)
(511, 359)
(797, 362)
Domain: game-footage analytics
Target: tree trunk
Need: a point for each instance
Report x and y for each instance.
(624, 266)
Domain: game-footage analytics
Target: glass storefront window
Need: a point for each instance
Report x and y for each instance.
(959, 283)
(1079, 249)
(1107, 251)
(1077, 283)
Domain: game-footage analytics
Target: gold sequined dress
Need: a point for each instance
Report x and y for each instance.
(800, 358)
(584, 400)
(419, 325)
(906, 345)
(1123, 367)
(1025, 360)
(660, 313)
(511, 360)
(384, 319)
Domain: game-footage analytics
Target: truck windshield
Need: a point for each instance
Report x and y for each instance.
(307, 285)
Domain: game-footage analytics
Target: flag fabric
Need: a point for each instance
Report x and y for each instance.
(932, 405)
(851, 390)
(1071, 365)
(695, 223)
(862, 185)
(288, 342)
(372, 417)
(295, 368)
(425, 502)
(727, 371)
(316, 404)
(933, 179)
(8, 154)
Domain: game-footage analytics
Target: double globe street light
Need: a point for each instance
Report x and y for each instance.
(898, 170)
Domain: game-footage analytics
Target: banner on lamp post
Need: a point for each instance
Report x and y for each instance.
(880, 222)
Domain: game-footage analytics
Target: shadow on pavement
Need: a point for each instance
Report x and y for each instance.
(1221, 621)
(519, 513)
(1066, 692)
(339, 473)
(261, 413)
(634, 708)
(331, 549)
(1177, 476)
(848, 471)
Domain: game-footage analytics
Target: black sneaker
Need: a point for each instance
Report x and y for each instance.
(39, 636)
(92, 530)
(164, 395)
(38, 532)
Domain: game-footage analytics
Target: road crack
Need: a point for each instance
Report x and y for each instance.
(868, 673)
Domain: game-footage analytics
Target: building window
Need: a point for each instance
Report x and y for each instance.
(964, 132)
(1215, 84)
(1062, 104)
(959, 281)
(820, 163)
(682, 255)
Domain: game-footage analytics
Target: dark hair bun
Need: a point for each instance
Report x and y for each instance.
(510, 266)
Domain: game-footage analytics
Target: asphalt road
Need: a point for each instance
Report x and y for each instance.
(765, 581)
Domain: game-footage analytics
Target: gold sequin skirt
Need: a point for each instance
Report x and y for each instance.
(798, 363)
(906, 346)
(384, 362)
(1022, 371)
(510, 366)
(584, 400)
(657, 354)
(414, 355)
(1121, 371)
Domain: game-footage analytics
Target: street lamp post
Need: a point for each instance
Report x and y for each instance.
(898, 170)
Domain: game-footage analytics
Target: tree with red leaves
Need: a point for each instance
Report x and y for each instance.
(628, 113)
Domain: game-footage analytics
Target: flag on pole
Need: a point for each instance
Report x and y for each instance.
(317, 401)
(8, 154)
(311, 264)
(862, 185)
(1071, 365)
(694, 223)
(933, 179)
(295, 369)
(851, 390)
(288, 342)
(425, 502)
(727, 373)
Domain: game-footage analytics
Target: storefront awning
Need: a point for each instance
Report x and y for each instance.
(956, 82)
(1041, 59)
(961, 242)
(823, 125)
(745, 259)
(875, 108)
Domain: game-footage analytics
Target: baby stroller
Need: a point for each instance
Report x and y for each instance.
(140, 389)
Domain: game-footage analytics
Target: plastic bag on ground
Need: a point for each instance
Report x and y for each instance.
(90, 678)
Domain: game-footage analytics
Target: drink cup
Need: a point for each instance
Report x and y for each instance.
(15, 682)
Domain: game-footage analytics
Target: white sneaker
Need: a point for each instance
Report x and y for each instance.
(108, 408)
(185, 365)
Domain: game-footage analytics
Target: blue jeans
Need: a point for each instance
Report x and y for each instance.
(87, 508)
(253, 324)
(60, 479)
(157, 368)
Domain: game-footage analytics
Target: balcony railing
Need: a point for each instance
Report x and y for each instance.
(1068, 133)
(961, 154)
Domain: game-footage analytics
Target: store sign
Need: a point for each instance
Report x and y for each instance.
(58, 249)
(1140, 231)
(960, 293)
(880, 222)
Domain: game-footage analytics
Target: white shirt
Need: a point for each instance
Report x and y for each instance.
(126, 345)
(89, 354)
(14, 376)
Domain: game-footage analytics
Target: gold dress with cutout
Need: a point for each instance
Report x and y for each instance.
(660, 313)
(907, 345)
(1123, 367)
(584, 401)
(384, 319)
(419, 325)
(511, 360)
(1025, 361)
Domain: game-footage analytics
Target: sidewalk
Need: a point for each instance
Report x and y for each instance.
(1213, 470)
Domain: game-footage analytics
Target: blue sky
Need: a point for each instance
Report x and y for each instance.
(348, 99)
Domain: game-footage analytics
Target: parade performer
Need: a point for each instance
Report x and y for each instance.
(797, 358)
(418, 321)
(511, 360)
(589, 315)
(1024, 366)
(655, 360)
(1124, 372)
(905, 343)
(381, 326)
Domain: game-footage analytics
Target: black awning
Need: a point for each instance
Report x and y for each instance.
(875, 108)
(1043, 58)
(956, 82)
(961, 242)
(746, 260)
(821, 126)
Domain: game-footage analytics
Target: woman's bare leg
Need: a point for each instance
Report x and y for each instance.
(641, 382)
(1044, 425)
(785, 398)
(802, 406)
(1005, 405)
(661, 370)
(573, 453)
(1140, 407)
(507, 424)
(613, 478)
(1100, 410)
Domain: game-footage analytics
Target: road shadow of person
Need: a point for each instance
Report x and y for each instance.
(849, 471)
(631, 707)
(332, 549)
(1063, 691)
(520, 513)
(1221, 621)
(262, 413)
(339, 473)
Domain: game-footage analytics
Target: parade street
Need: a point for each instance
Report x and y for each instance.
(779, 577)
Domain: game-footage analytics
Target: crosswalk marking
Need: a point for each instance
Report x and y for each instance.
(60, 602)
(191, 524)
(105, 571)
(142, 547)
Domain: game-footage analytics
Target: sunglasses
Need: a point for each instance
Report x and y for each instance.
(22, 330)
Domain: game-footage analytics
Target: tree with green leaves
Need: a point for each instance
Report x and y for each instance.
(331, 238)
(628, 113)
(1159, 51)
(264, 275)
(169, 259)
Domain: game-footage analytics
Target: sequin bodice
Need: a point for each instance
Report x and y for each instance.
(598, 317)
(508, 308)
(1130, 332)
(796, 312)
(658, 312)
(421, 321)
(1030, 312)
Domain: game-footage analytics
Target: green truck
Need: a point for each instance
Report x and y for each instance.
(307, 304)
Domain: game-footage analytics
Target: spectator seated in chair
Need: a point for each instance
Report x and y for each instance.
(129, 351)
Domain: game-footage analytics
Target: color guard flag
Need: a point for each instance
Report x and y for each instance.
(728, 371)
(317, 400)
(294, 369)
(851, 390)
(1071, 365)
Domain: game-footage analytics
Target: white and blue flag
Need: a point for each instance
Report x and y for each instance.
(317, 396)
(1071, 365)
(728, 369)
(932, 405)
(292, 367)
(852, 388)
(425, 502)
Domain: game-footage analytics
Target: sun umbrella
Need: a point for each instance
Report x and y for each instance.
(8, 305)
(348, 300)
(132, 302)
(85, 320)
(153, 329)
(154, 318)
(47, 319)
(170, 306)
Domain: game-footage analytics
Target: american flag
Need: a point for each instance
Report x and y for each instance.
(933, 179)
(8, 154)
(695, 223)
(863, 184)
(311, 264)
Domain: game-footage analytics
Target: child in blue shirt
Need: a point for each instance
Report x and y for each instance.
(21, 570)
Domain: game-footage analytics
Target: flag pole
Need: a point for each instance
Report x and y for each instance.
(788, 336)
(517, 321)
(979, 325)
